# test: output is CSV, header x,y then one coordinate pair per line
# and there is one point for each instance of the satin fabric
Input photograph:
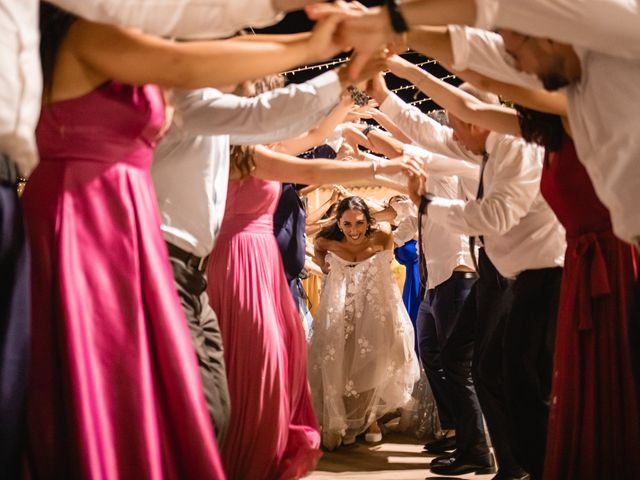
x,y
114,390
407,255
594,424
273,433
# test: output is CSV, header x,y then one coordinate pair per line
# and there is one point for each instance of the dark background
x,y
298,22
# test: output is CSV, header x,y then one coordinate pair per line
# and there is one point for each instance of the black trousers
x,y
207,342
437,316
15,312
473,362
529,345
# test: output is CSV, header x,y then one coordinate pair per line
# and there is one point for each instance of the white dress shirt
x,y
20,81
603,114
191,164
177,18
607,26
520,230
407,228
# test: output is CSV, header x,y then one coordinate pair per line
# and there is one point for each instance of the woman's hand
x,y
405,164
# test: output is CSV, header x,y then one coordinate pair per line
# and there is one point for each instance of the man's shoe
x,y
510,476
441,445
445,459
460,465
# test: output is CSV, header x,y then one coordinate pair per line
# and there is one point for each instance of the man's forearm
x,y
433,42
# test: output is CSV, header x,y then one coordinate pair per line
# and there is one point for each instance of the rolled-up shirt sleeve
x,y
189,19
606,26
512,183
484,52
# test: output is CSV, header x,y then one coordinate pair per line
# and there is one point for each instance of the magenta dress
x,y
273,433
114,389
594,418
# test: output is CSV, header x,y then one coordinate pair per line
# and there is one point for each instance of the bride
x,y
362,363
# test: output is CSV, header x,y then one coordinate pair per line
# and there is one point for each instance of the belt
x,y
189,259
465,274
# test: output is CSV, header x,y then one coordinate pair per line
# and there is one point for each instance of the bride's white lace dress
x,y
362,363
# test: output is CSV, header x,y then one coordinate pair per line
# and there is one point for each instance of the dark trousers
x,y
15,310
207,342
472,357
529,345
437,316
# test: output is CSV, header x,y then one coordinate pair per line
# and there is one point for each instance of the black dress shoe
x,y
460,465
445,459
441,445
512,476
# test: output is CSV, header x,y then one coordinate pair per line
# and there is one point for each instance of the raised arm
x,y
281,167
102,52
535,99
466,107
317,135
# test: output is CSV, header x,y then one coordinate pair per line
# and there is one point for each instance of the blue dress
x,y
407,255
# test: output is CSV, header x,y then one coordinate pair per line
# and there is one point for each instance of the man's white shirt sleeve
x,y
607,26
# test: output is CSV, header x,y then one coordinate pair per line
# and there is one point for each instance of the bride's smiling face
x,y
353,224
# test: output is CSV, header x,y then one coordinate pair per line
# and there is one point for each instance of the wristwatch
x,y
398,23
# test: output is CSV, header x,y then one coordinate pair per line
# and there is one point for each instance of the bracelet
x,y
398,23
367,129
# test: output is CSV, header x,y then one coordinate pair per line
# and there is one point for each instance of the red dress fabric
x,y
594,426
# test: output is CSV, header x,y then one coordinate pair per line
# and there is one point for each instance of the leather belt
x,y
189,259
465,274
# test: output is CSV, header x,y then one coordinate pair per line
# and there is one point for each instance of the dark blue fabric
x,y
407,255
15,310
289,227
436,318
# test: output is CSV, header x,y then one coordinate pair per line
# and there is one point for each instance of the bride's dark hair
x,y
333,232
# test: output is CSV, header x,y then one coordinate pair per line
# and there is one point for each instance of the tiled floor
x,y
398,457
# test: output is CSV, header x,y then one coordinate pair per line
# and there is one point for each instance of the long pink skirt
x,y
114,387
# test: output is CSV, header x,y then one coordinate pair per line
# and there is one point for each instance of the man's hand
x,y
365,30
322,44
415,185
399,66
377,88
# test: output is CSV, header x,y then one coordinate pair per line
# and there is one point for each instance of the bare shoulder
x,y
322,243
382,237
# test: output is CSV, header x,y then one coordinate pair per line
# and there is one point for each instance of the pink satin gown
x,y
273,432
114,388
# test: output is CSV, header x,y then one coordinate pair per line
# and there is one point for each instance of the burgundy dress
x,y
594,425
114,388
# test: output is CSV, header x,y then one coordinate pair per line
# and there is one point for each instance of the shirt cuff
x,y
486,13
392,106
459,47
439,209
328,86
